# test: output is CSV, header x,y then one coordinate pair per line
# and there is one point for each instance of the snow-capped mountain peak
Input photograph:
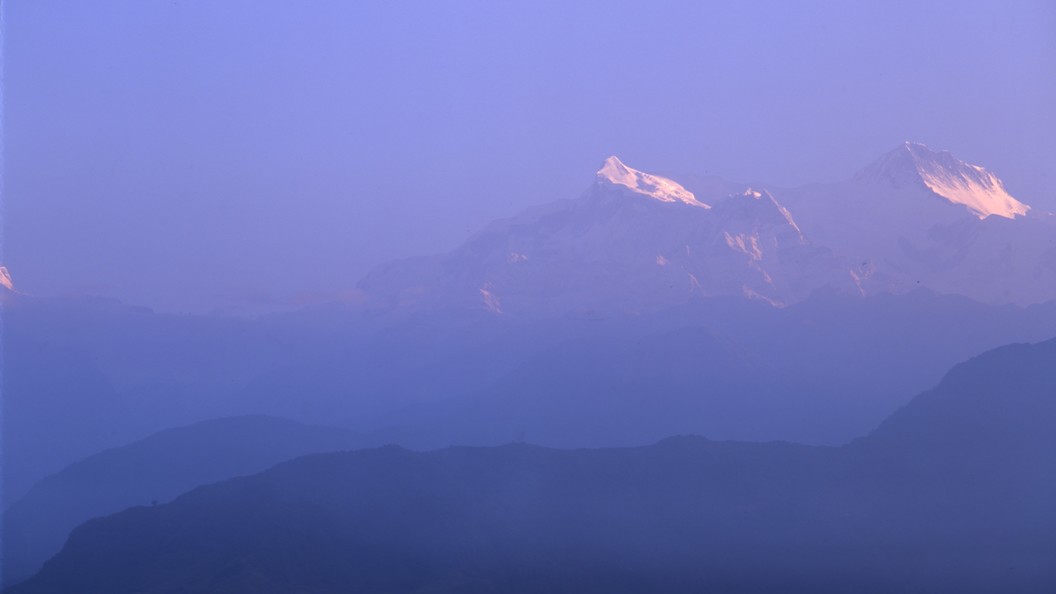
x,y
971,186
634,242
757,207
5,279
613,171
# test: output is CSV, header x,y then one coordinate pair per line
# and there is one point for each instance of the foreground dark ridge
x,y
155,469
954,492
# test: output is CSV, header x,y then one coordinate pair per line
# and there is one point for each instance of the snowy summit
x,y
613,171
5,279
971,186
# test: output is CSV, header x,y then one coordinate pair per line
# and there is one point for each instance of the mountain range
x,y
645,308
149,471
636,241
953,492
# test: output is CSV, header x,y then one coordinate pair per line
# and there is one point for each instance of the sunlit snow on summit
x,y
971,186
653,186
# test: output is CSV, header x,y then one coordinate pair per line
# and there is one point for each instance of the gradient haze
x,y
187,155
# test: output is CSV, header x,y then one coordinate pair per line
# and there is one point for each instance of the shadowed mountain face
x,y
953,492
150,471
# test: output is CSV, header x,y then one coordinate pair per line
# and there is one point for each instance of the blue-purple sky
x,y
183,154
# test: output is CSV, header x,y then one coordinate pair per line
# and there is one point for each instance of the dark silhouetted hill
x,y
150,471
952,493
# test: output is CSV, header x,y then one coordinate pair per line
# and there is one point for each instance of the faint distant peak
x,y
5,279
912,164
760,205
613,171
757,197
